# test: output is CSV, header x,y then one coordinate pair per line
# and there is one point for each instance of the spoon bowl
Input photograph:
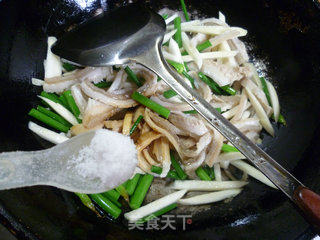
x,y
57,167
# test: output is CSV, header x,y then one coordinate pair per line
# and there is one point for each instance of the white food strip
x,y
210,197
198,185
154,206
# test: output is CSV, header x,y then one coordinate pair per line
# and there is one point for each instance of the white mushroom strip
x,y
116,84
190,23
47,134
258,93
210,197
201,145
52,64
215,41
233,111
79,98
65,113
37,82
170,56
214,148
230,156
188,124
253,136
171,18
198,185
152,207
198,38
223,74
217,172
175,51
253,172
191,49
212,30
173,138
209,55
274,100
96,112
264,120
168,35
120,101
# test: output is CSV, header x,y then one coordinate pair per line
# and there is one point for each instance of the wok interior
x,y
282,35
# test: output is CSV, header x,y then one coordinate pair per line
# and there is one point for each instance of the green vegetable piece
x,y
132,184
169,94
132,76
228,148
85,199
210,83
201,173
54,116
177,36
265,89
156,169
106,205
103,84
141,191
72,104
151,104
69,67
135,124
48,120
182,175
184,9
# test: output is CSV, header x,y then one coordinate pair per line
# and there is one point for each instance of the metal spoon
x,y
135,33
54,167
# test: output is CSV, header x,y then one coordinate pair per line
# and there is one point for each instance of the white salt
x,y
111,158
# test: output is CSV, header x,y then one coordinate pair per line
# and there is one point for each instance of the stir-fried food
x,y
174,143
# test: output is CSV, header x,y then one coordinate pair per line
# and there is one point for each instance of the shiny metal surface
x,y
144,47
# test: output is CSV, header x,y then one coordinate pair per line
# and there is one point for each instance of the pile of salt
x,y
110,157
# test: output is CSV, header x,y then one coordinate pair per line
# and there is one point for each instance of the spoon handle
x,y
20,169
309,202
267,165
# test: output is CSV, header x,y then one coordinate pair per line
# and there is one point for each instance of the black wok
x,y
284,34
